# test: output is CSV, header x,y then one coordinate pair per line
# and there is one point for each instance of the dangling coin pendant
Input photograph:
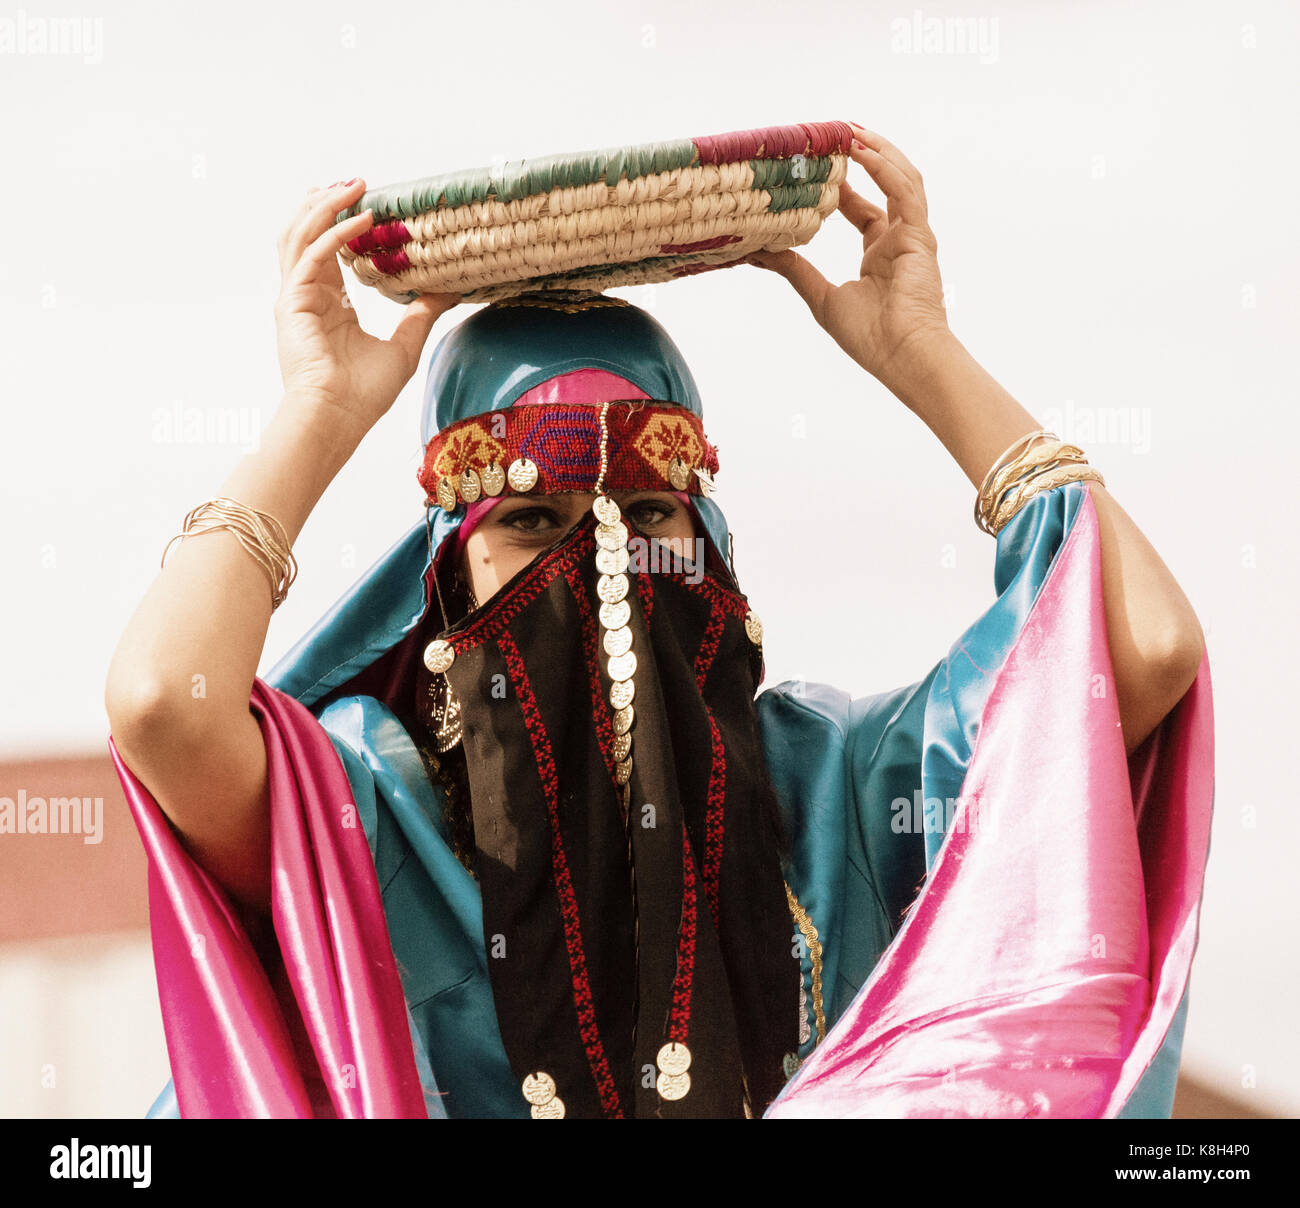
x,y
673,1083
612,561
522,474
439,655
621,693
611,536
617,641
446,495
539,1091
674,1058
615,616
611,589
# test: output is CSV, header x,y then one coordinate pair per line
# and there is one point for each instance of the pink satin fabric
x,y
577,386
1039,969
321,1028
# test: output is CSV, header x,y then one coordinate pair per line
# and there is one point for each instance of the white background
x,y
1113,188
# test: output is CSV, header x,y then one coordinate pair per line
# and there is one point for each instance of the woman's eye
x,y
530,520
649,514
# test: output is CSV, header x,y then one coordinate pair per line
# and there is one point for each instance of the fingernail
x,y
352,181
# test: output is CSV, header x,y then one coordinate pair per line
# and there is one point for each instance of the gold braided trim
x,y
810,937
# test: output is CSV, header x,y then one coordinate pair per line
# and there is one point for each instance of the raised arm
x,y
179,684
892,322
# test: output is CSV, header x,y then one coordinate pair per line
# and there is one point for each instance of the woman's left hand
x,y
898,296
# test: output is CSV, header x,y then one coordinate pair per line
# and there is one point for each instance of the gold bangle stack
x,y
1025,469
262,535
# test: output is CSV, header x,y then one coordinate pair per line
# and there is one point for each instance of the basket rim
x,y
514,179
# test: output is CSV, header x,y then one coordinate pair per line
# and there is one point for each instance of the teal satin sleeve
x,y
433,909
866,784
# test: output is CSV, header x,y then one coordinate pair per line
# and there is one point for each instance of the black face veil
x,y
628,846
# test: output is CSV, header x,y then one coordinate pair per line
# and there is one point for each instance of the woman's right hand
x,y
326,358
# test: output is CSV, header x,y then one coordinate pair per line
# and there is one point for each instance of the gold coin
x,y
623,719
622,666
493,479
674,1058
612,588
679,474
611,536
623,771
552,1109
673,1086
446,495
539,1088
470,488
439,655
754,628
607,511
615,616
612,561
622,747
617,641
621,694
707,485
522,474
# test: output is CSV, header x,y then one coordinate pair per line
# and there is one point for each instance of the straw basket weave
x,y
596,219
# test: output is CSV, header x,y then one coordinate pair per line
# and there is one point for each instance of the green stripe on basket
x,y
794,197
805,169
523,179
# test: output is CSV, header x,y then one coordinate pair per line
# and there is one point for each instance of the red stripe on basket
x,y
386,237
390,263
689,270
775,142
700,245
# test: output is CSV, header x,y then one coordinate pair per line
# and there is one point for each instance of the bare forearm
x,y
1154,636
206,614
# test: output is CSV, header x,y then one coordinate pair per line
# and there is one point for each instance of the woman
x,y
598,905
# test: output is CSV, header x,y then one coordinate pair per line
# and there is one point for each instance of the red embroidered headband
x,y
556,447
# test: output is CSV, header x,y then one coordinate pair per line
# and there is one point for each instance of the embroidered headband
x,y
650,445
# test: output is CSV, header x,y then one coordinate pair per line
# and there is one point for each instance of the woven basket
x,y
595,219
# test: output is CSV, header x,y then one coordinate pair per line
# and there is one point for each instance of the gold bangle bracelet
x,y
260,533
1033,461
1048,479
1003,462
1010,452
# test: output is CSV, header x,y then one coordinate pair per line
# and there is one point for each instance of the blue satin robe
x,y
837,765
